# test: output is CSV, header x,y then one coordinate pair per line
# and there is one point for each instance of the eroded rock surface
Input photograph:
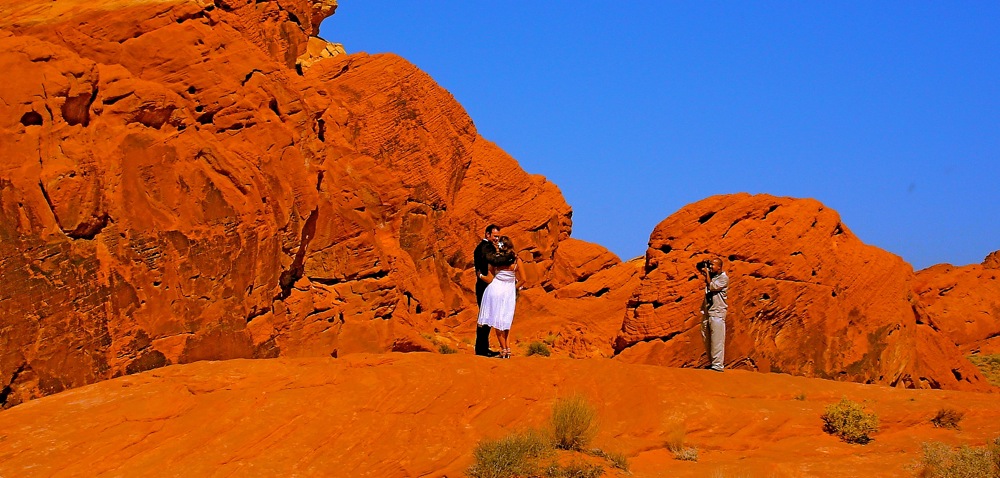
x,y
806,297
188,180
964,303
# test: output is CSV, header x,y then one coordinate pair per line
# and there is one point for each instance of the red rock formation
x,y
964,303
992,261
187,180
806,297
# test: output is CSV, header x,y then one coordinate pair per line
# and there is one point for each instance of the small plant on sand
x,y
616,459
538,348
943,461
574,469
512,456
687,454
989,365
801,397
849,421
573,423
675,443
947,418
446,349
550,339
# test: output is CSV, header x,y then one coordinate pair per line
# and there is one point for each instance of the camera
x,y
703,265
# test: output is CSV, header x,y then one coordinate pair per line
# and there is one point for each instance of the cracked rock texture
x,y
191,180
806,297
965,302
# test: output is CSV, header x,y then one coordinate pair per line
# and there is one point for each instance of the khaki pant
x,y
713,331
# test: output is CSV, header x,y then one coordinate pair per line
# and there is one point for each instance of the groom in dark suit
x,y
482,257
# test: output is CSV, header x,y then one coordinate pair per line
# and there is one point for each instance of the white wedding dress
x,y
497,310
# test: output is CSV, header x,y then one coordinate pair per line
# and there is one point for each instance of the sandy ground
x,y
420,414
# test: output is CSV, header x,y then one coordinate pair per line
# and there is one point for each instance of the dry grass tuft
x,y
573,423
575,469
512,456
616,459
943,461
947,418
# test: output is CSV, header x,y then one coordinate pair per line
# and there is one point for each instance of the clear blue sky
x,y
888,112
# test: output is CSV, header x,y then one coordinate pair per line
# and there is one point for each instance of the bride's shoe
x,y
506,353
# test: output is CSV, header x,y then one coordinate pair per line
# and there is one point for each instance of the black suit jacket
x,y
482,255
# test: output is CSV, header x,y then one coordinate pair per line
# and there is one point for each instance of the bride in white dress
x,y
497,309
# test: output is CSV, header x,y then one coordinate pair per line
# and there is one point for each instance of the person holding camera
x,y
713,311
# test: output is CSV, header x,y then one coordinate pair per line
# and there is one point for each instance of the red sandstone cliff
x,y
964,302
187,180
806,297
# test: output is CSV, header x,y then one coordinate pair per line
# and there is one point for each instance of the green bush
x,y
947,418
848,420
943,461
538,348
446,349
573,423
512,456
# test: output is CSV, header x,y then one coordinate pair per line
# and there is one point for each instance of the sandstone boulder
x,y
191,180
806,297
964,303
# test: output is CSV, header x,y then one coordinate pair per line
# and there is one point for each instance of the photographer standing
x,y
713,311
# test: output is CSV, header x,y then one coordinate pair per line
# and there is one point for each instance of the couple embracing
x,y
496,290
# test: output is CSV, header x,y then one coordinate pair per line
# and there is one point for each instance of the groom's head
x,y
492,233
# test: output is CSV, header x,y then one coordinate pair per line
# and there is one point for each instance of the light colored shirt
x,y
716,293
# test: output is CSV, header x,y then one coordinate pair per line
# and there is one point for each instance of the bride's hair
x,y
505,255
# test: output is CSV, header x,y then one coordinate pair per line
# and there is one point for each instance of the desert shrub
x,y
989,365
848,420
943,461
538,348
675,437
446,349
687,454
512,456
550,339
574,470
801,397
573,423
675,443
947,418
616,459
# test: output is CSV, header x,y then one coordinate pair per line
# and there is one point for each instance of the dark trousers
x,y
482,331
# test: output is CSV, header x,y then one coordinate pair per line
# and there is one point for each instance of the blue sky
x,y
888,112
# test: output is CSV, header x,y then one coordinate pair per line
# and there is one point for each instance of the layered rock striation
x,y
806,297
